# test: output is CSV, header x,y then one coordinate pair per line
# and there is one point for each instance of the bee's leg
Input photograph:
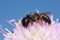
x,y
41,22
38,21
31,23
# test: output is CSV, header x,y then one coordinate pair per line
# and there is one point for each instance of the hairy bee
x,y
33,17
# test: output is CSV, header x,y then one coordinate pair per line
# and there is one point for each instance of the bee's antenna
x,y
37,10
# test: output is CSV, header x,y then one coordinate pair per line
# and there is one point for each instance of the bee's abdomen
x,y
46,19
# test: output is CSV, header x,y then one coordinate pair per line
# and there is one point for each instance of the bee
x,y
33,17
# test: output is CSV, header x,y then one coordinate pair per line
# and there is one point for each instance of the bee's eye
x,y
27,20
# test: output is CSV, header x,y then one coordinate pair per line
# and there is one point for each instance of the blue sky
x,y
15,9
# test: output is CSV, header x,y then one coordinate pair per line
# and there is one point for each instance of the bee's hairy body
x,y
32,17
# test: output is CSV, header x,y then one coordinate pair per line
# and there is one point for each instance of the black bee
x,y
32,17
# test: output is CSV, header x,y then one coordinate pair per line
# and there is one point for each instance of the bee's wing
x,y
48,13
37,11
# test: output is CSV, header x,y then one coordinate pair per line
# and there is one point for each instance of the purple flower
x,y
33,32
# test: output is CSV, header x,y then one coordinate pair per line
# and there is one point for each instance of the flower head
x,y
33,32
37,31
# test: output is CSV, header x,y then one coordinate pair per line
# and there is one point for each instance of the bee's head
x,y
25,21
